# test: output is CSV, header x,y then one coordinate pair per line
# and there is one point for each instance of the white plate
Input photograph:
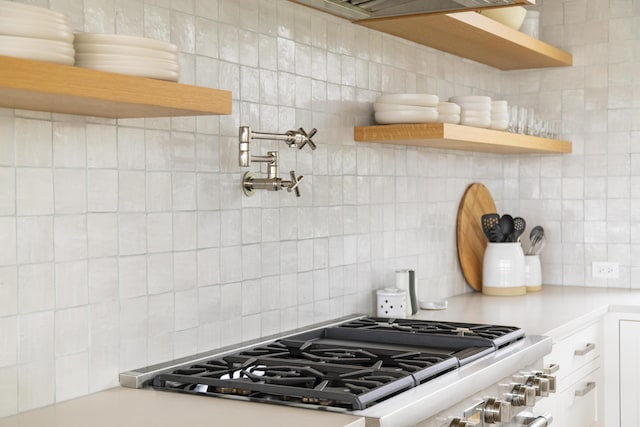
x,y
126,60
97,65
113,49
421,99
121,40
29,43
449,118
10,7
379,106
476,122
470,98
437,304
26,28
448,108
151,73
390,117
35,54
499,124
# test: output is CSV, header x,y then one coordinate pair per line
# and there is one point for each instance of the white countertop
x,y
549,312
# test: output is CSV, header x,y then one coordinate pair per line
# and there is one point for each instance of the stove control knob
x,y
461,422
550,378
495,411
539,384
522,395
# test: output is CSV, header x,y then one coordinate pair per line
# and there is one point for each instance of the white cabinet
x,y
629,373
577,360
622,343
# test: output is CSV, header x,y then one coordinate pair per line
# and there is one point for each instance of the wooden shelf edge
x,y
458,137
474,36
43,86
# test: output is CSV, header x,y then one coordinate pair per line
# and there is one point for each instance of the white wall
x,y
128,242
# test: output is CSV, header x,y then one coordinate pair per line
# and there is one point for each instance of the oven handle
x,y
543,420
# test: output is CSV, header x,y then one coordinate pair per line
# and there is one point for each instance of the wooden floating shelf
x,y
474,36
44,86
458,137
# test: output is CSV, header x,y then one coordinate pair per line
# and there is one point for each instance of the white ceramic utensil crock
x,y
532,273
503,270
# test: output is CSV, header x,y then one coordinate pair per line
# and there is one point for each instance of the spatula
x,y
491,227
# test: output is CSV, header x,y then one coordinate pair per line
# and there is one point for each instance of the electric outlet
x,y
605,270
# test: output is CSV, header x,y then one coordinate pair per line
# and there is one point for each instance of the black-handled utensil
x,y
491,226
519,225
506,227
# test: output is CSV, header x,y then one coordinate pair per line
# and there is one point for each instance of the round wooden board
x,y
475,202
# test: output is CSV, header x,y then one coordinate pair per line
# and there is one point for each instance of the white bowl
x,y
512,16
380,106
499,116
114,49
475,106
499,106
420,99
126,60
448,108
476,122
468,114
391,117
449,118
470,98
499,124
121,40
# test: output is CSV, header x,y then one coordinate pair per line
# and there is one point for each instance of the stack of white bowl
x,y
476,110
499,115
406,108
32,32
135,56
449,112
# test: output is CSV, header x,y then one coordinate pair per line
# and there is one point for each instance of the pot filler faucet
x,y
273,182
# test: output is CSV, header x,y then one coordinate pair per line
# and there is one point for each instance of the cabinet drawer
x,y
575,351
579,402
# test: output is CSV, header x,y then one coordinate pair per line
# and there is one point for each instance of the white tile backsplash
x,y
129,242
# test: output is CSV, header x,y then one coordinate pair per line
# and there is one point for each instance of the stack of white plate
x,y
449,112
135,56
32,32
499,115
406,108
476,110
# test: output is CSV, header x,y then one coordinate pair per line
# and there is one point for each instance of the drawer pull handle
x,y
587,348
552,369
584,391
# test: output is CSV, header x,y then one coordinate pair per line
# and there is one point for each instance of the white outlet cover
x,y
605,270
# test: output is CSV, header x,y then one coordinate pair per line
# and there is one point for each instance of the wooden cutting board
x,y
475,202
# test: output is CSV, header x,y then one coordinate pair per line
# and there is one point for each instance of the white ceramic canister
x,y
392,302
532,273
503,270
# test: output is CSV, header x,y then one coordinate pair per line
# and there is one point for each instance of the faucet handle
x,y
300,138
294,183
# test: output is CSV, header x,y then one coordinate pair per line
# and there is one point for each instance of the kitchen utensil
x,y
519,225
540,244
534,236
506,226
491,226
472,242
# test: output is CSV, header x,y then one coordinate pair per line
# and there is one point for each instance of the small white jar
x,y
503,270
532,273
